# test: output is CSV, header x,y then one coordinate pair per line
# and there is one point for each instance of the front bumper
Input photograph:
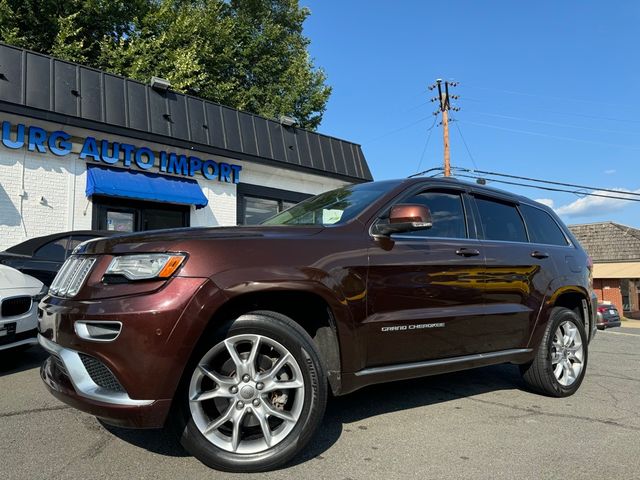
x,y
130,380
67,378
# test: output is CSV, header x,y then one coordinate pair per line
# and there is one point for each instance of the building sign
x,y
112,153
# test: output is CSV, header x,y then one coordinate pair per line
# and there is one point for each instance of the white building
x,y
85,150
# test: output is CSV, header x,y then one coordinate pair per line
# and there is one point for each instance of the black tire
x,y
291,336
539,373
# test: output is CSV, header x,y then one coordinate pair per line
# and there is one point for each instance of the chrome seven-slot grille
x,y
72,276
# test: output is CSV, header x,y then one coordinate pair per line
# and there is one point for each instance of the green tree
x,y
248,54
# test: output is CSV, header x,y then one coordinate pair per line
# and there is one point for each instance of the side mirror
x,y
406,218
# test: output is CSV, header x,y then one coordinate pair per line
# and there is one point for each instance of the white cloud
x,y
545,201
590,206
610,172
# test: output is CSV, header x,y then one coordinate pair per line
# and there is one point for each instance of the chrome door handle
x,y
467,252
537,254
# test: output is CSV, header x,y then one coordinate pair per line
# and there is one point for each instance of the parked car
x,y
607,316
19,297
235,335
42,257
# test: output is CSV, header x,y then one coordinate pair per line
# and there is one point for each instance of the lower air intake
x,y
100,374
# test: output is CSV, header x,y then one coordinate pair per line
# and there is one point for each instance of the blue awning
x,y
116,182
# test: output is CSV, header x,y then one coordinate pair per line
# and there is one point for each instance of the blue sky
x,y
548,89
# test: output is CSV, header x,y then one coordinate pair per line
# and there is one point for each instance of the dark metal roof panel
x,y
38,87
249,143
137,106
114,100
215,127
178,116
197,120
11,81
90,90
62,91
65,88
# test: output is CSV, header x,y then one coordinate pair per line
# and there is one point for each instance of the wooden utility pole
x,y
445,133
443,98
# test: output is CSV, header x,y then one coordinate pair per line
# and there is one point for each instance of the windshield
x,y
333,208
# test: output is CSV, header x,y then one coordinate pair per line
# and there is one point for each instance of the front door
x,y
424,289
123,215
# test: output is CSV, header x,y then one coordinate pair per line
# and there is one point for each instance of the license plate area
x,y
7,333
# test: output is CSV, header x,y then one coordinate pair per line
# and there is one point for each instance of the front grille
x,y
100,374
12,307
72,276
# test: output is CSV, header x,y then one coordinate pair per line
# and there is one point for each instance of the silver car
x,y
19,297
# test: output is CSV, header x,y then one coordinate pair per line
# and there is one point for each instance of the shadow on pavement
x,y
14,361
160,441
363,404
405,395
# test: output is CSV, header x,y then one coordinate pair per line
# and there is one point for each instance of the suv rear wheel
x,y
561,359
254,395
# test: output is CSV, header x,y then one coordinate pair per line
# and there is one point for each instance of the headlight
x,y
146,266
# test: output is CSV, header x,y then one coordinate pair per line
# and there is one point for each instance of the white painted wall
x,y
41,193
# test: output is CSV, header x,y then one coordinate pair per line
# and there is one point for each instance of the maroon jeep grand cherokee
x,y
236,335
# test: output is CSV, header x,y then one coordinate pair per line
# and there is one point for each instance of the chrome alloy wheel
x,y
567,354
246,394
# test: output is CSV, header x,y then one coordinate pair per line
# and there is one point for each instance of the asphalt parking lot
x,y
475,424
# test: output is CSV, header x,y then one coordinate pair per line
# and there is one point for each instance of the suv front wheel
x,y
561,360
254,396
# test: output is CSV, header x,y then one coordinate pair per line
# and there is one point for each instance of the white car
x,y
19,298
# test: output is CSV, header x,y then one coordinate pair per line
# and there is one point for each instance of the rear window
x,y
542,228
501,221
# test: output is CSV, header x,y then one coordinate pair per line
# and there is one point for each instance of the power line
x,y
391,132
475,174
557,137
552,189
550,182
426,143
554,124
465,145
547,97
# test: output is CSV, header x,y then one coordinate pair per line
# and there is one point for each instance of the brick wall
x,y
608,290
41,193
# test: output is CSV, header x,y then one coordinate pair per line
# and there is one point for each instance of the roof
x,y
608,242
43,87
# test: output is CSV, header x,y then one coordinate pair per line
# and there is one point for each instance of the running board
x,y
441,362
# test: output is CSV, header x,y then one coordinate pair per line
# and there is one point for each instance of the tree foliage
x,y
248,54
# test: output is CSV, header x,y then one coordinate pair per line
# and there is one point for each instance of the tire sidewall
x,y
274,326
558,316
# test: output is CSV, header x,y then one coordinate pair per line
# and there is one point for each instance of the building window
x,y
256,203
125,215
257,210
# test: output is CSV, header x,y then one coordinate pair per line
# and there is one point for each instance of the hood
x,y
159,240
14,280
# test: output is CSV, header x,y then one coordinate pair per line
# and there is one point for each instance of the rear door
x,y
518,272
424,288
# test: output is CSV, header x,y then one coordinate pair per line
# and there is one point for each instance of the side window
x,y
542,228
447,214
53,251
500,221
